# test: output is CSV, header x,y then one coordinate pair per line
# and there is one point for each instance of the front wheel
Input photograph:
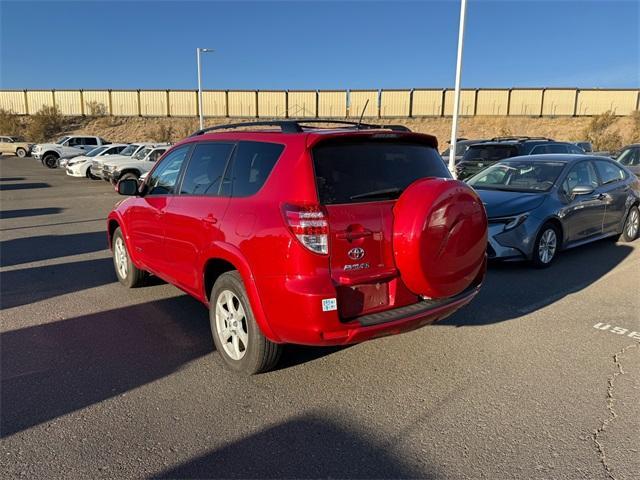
x,y
128,274
237,337
50,160
546,246
21,152
631,225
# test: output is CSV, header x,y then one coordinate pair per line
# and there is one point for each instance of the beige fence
x,y
546,102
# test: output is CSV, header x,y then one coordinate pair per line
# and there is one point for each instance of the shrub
x,y
164,133
10,123
45,124
96,109
598,133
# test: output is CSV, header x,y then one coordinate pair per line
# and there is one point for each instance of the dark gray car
x,y
540,204
629,156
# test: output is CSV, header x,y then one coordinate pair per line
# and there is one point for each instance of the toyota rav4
x,y
303,234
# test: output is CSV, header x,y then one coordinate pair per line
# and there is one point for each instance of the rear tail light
x,y
309,224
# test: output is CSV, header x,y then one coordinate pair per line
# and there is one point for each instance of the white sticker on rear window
x,y
329,304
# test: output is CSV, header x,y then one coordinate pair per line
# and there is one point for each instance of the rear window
x,y
489,153
370,170
252,165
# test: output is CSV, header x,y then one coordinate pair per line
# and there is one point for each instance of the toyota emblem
x,y
356,253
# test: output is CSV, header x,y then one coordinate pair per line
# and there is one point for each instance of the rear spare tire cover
x,y
439,236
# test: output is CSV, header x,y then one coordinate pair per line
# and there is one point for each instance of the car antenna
x,y
364,109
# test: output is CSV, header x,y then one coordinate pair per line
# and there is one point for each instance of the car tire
x,y
237,337
127,176
21,152
631,225
128,274
50,160
90,175
546,246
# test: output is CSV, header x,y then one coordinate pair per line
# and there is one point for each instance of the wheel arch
x,y
113,222
558,224
224,258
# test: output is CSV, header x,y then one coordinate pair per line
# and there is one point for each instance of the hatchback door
x,y
358,182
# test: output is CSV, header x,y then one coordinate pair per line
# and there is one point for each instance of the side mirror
x,y
581,190
128,186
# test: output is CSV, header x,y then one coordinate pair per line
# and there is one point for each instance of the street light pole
x,y
198,52
456,97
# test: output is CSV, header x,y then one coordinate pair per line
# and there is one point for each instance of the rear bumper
x,y
293,310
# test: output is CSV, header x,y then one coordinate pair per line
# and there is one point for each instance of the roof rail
x,y
519,138
297,126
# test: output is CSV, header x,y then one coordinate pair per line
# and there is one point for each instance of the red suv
x,y
304,234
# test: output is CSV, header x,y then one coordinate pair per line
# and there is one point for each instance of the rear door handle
x,y
348,235
210,220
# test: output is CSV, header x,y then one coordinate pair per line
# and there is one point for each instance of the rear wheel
x,y
90,175
631,225
128,274
127,176
50,160
546,246
21,152
237,337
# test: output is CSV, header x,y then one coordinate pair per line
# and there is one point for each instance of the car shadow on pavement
x,y
47,247
29,212
512,290
60,367
29,285
11,179
310,446
23,186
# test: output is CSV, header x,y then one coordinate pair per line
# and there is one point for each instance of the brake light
x,y
309,224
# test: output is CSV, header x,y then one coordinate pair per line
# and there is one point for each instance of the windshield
x,y
96,151
141,154
629,157
520,176
128,150
62,140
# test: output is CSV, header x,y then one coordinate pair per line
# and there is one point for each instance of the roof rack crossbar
x,y
519,138
297,126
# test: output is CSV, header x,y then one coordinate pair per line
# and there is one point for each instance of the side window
x,y
156,154
206,168
556,148
583,174
252,165
162,179
630,157
74,142
4,140
90,141
609,172
539,149
574,149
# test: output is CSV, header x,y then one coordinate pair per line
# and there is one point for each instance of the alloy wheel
x,y
231,325
122,262
633,223
547,246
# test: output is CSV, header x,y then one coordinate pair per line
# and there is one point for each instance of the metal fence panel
x,y
525,102
124,103
69,102
183,103
395,103
13,101
96,99
153,103
242,103
302,104
332,103
272,104
492,102
557,102
36,99
467,102
427,103
594,102
214,103
357,101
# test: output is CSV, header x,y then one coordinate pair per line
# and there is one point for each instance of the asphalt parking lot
x,y
539,377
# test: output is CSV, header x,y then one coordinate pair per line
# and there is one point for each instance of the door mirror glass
x,y
128,186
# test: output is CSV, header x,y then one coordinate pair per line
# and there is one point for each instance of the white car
x,y
134,168
66,147
79,166
140,150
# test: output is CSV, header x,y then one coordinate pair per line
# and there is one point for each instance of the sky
x,y
318,45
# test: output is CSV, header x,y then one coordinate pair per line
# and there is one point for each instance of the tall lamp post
x,y
198,52
456,97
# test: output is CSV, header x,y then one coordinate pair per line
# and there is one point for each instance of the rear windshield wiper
x,y
377,193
